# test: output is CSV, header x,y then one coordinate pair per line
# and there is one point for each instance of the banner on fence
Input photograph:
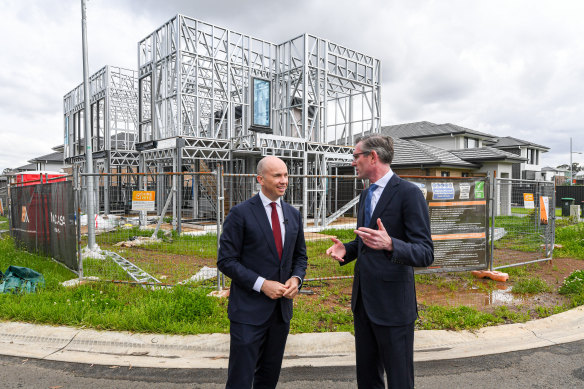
x,y
544,205
43,220
458,220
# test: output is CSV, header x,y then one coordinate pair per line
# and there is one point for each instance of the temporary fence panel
x,y
186,241
186,237
154,234
43,220
523,222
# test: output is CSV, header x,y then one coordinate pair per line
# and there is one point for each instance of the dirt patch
x,y
461,289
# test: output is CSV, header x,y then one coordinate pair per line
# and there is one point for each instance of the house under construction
x,y
209,98
114,121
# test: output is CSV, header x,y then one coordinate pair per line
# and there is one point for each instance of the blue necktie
x,y
368,210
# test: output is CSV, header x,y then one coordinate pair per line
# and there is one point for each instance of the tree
x,y
575,167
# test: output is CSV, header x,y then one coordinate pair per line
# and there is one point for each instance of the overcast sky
x,y
508,68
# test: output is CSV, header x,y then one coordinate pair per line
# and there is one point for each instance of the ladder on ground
x,y
133,271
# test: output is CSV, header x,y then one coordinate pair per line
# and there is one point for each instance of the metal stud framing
x,y
190,97
194,80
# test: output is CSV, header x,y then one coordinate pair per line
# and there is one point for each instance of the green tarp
x,y
20,279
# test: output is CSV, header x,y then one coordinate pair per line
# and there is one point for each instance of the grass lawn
x,y
526,211
188,309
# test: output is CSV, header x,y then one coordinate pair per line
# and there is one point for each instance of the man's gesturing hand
x,y
273,289
376,239
337,251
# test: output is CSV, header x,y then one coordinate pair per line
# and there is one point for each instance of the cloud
x,y
507,68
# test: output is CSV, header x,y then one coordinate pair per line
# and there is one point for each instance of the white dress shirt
x,y
381,183
268,208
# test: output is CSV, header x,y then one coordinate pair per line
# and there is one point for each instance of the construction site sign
x,y
143,200
458,222
528,201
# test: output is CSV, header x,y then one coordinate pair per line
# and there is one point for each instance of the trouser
x,y
379,348
256,353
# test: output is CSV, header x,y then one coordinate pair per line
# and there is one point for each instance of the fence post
x,y
493,184
76,191
220,199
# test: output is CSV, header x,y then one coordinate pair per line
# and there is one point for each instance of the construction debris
x,y
493,275
138,241
204,274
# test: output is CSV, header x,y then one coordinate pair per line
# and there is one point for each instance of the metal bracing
x,y
200,73
267,144
124,158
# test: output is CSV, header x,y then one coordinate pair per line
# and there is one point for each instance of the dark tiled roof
x,y
414,153
486,154
23,168
552,169
53,157
426,129
508,141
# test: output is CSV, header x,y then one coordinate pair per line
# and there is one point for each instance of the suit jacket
x,y
386,279
247,250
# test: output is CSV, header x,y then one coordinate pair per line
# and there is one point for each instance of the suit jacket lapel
x,y
263,222
388,192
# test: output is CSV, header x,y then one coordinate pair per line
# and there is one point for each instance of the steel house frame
x,y
114,121
194,103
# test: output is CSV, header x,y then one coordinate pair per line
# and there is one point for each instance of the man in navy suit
x,y
393,237
262,250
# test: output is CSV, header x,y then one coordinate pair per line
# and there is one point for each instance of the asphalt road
x,y
559,366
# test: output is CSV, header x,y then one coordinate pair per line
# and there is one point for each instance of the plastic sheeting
x,y
20,280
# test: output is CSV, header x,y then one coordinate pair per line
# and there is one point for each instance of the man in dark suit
x,y
393,237
262,250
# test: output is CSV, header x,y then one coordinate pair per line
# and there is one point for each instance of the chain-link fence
x,y
523,226
174,239
163,228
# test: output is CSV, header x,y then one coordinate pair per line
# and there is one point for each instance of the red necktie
x,y
276,230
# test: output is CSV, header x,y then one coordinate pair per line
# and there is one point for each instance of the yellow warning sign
x,y
528,201
143,200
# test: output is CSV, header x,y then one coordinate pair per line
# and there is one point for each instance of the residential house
x,y
52,162
530,168
557,175
463,143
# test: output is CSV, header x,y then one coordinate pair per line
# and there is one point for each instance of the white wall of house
x,y
444,142
50,166
503,195
548,175
533,156
473,143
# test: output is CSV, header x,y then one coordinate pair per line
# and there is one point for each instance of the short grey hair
x,y
383,146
